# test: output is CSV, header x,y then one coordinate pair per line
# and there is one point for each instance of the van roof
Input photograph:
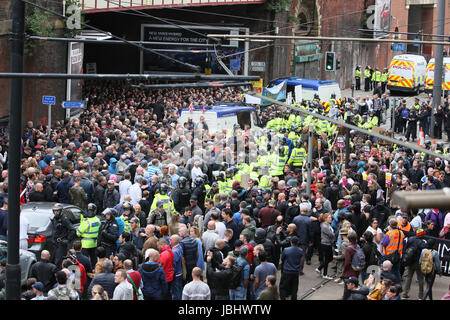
x,y
446,60
409,57
305,83
221,110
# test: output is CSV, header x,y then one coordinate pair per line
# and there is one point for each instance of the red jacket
x,y
166,258
250,252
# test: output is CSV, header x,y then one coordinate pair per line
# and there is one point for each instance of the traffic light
x,y
330,61
338,64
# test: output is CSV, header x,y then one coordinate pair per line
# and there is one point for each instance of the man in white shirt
x,y
196,172
196,289
124,289
135,191
124,186
220,226
210,236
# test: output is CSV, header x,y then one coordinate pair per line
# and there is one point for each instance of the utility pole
x,y
310,159
438,66
15,125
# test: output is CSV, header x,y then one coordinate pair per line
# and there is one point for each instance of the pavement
x,y
313,287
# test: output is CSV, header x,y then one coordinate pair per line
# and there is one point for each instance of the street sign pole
x,y
49,119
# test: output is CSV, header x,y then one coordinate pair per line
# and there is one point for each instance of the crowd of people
x,y
156,226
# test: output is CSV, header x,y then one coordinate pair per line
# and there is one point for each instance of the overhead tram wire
x,y
188,65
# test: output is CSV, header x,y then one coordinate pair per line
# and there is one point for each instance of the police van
x,y
429,77
223,116
325,89
407,73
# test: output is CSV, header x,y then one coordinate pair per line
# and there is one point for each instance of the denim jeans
x,y
177,287
240,293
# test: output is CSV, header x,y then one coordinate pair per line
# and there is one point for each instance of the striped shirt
x,y
196,290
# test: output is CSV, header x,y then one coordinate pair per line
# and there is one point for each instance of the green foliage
x,y
38,23
279,6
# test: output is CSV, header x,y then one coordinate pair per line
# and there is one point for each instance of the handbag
x,y
395,256
139,294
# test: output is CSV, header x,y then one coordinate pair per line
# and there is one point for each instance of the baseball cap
x,y
110,181
193,198
159,204
259,198
38,286
353,280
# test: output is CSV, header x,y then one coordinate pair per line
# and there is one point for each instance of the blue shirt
x,y
177,259
237,217
246,274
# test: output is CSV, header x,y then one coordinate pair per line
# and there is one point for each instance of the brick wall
x,y
48,57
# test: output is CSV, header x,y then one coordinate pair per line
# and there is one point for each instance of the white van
x,y
221,116
407,73
325,89
429,77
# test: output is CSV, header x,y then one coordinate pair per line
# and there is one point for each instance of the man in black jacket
x,y
220,278
413,248
269,247
99,193
109,232
63,233
44,271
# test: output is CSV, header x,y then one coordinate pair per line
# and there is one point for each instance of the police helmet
x,y
57,207
163,188
182,182
126,206
299,143
214,184
91,210
440,145
198,181
220,176
427,143
108,211
229,171
294,127
282,130
114,212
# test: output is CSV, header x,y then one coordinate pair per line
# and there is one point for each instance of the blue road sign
x,y
73,104
48,100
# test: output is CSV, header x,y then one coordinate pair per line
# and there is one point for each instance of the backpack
x,y
359,259
427,264
61,295
373,258
237,274
410,254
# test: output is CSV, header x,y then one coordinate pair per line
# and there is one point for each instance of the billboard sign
x,y
186,43
74,66
382,21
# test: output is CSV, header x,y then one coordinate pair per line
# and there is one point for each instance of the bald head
x,y
45,255
211,225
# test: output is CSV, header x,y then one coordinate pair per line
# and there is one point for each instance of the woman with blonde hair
x,y
98,293
173,224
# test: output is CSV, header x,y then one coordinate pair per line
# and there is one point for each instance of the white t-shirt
x,y
220,228
379,231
